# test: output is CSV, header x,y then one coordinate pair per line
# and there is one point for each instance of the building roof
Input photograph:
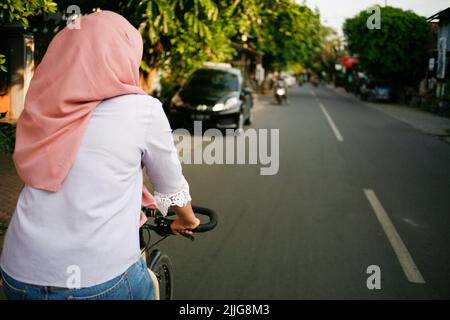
x,y
444,14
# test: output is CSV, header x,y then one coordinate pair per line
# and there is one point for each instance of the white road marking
x,y
404,257
329,119
331,123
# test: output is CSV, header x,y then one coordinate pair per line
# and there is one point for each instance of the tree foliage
x,y
290,33
395,52
181,35
178,35
331,52
20,10
2,63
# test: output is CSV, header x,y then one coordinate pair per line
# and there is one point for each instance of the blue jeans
x,y
133,284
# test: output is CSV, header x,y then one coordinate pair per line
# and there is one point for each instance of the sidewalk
x,y
10,187
426,122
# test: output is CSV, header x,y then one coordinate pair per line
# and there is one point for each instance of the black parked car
x,y
220,97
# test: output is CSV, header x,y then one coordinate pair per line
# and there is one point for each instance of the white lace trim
x,y
180,198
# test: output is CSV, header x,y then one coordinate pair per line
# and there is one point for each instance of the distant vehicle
x,y
280,91
381,93
218,95
287,78
290,80
314,80
374,90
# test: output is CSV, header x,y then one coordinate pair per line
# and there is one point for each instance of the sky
x,y
334,12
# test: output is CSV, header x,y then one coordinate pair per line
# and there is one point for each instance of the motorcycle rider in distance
x,y
279,83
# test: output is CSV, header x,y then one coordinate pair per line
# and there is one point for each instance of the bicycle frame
x,y
151,261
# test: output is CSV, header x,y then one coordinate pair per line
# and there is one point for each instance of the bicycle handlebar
x,y
162,224
211,224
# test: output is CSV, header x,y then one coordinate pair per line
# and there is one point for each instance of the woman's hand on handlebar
x,y
186,220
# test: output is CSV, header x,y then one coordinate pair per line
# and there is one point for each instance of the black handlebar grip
x,y
211,224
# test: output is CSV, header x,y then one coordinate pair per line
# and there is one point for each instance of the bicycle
x,y
159,265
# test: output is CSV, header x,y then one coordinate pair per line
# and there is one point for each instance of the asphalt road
x,y
310,231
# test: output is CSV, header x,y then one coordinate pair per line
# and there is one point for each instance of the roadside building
x,y
437,81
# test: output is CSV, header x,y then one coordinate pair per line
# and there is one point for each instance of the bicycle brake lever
x,y
188,236
163,228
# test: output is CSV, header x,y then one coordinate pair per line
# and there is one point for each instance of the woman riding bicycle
x,y
85,134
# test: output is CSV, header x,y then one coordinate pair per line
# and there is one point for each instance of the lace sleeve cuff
x,y
180,198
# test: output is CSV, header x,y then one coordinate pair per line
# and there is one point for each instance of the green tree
x,y
178,36
21,10
290,34
331,53
394,53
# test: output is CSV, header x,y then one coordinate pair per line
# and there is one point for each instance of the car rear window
x,y
215,79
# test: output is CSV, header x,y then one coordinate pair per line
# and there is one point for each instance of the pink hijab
x,y
81,68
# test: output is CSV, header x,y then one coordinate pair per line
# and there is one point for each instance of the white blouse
x,y
91,224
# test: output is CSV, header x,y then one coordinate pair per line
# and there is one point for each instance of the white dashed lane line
x,y
330,120
404,257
